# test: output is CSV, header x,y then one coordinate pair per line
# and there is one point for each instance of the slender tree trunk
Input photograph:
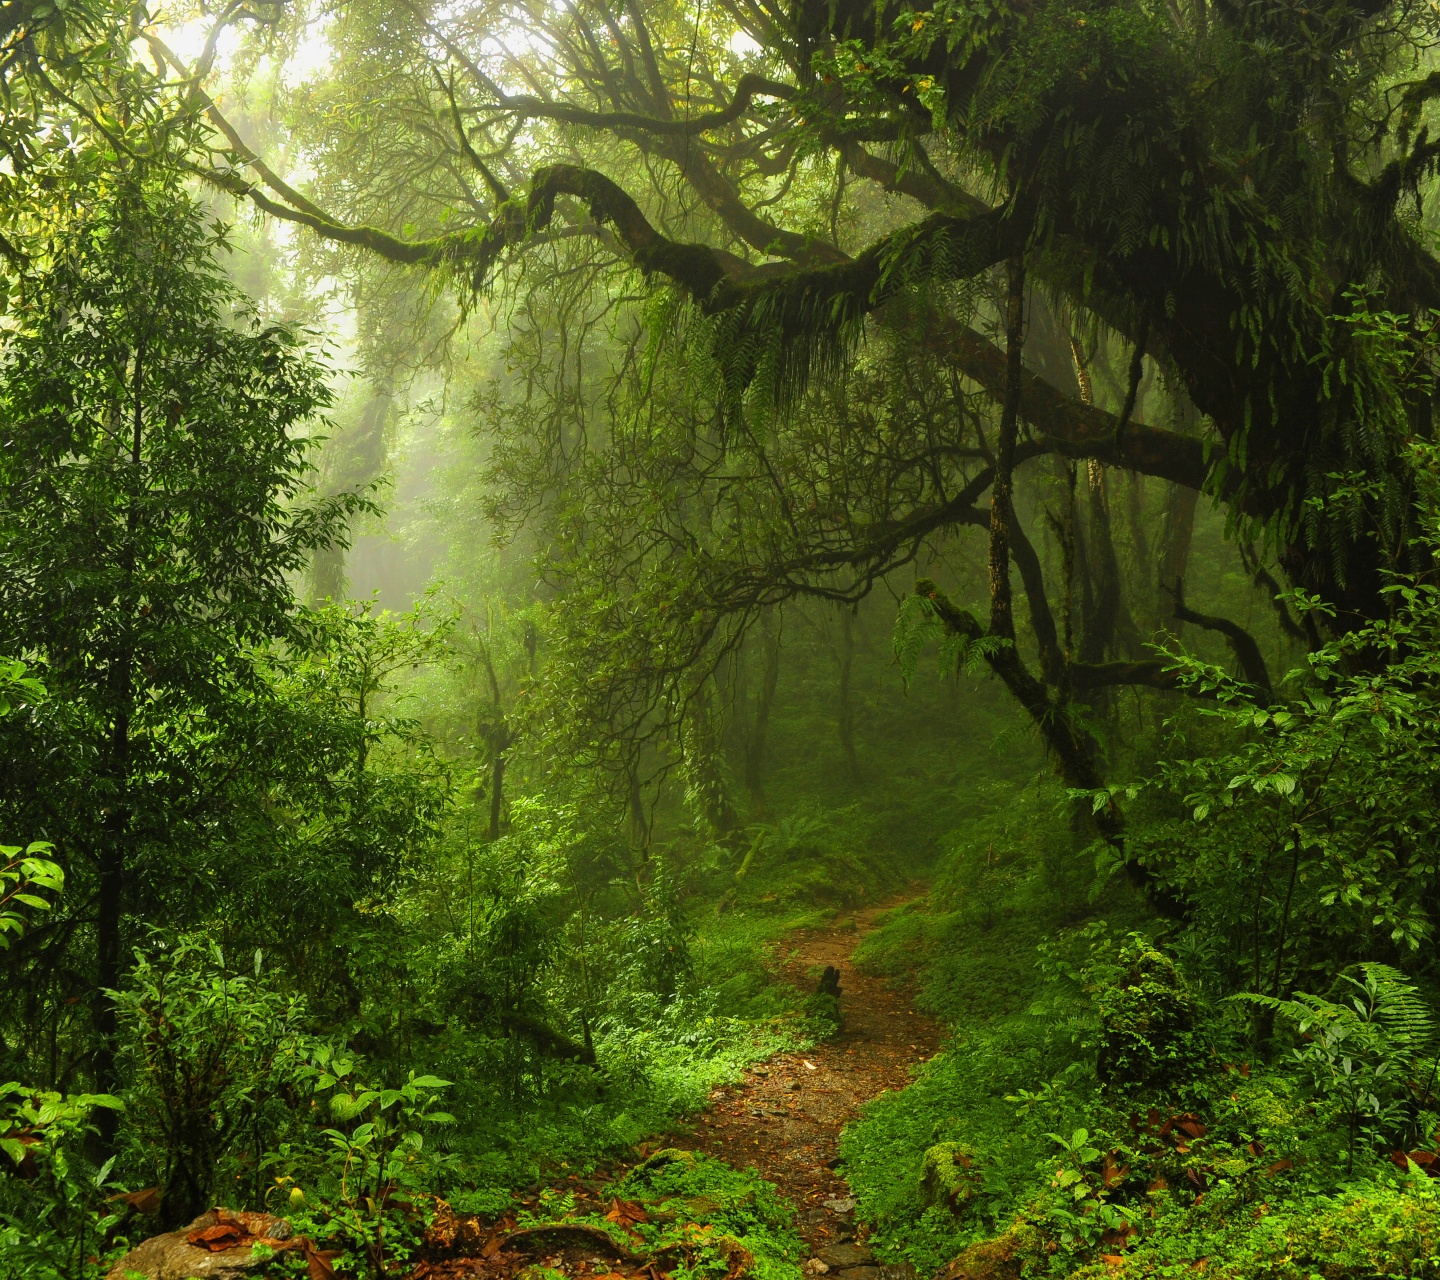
x,y
635,805
352,459
1177,529
1098,635
845,712
1002,613
704,776
113,851
497,785
756,738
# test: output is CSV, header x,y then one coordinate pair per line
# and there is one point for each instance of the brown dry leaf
x,y
218,1238
318,1263
1112,1259
1111,1173
626,1213
492,1246
146,1201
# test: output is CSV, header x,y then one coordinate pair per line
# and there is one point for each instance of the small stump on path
x,y
823,1007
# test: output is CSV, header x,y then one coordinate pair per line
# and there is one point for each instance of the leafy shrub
x,y
1362,1054
54,1202
24,872
705,1202
1388,1228
359,1181
212,1057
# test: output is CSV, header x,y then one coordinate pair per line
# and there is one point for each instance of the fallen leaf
x,y
626,1213
146,1201
218,1238
1111,1173
809,1066
318,1263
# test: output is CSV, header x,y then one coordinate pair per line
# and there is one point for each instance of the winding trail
x,y
785,1117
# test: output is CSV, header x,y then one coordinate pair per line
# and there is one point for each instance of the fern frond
x,y
1398,1007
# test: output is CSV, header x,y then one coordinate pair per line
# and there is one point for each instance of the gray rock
x,y
171,1256
841,1256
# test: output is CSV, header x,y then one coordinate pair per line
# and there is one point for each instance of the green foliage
x,y
1302,839
1388,1228
729,1216
948,1176
1362,1054
1147,1041
211,1057
54,1202
24,872
152,515
374,1164
16,687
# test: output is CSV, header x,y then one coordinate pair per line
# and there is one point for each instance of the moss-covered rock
x,y
1147,1041
948,1176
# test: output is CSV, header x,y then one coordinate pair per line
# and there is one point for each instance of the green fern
x,y
917,623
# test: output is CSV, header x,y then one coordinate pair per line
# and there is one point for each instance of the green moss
x,y
1147,1042
728,1217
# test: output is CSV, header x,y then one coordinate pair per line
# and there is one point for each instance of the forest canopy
x,y
563,566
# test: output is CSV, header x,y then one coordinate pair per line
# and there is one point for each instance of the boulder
x,y
218,1245
840,1256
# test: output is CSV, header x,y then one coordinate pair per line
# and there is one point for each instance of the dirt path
x,y
785,1117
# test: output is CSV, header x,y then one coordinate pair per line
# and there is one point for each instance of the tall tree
x,y
151,521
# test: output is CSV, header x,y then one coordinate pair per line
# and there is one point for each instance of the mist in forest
x,y
750,641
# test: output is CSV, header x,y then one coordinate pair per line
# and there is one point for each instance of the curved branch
x,y
747,89
1071,427
1074,750
1242,643
232,136
1152,673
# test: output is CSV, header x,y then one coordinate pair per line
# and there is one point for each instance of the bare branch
x,y
1242,643
747,89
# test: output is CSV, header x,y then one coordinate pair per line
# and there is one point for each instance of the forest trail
x,y
785,1117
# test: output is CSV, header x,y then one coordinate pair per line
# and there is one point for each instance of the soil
x,y
785,1117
